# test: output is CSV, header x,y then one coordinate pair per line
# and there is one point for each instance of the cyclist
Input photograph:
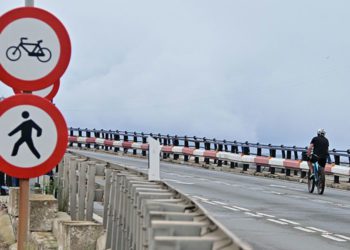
x,y
318,150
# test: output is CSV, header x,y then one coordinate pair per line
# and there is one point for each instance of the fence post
x,y
73,189
116,138
186,146
97,135
176,143
245,151
288,156
82,190
144,141
234,150
258,153
90,190
165,143
126,138
272,154
88,135
206,147
111,221
220,148
71,133
226,150
196,145
80,134
106,197
134,151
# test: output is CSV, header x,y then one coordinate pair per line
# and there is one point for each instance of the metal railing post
x,y
186,146
206,147
196,145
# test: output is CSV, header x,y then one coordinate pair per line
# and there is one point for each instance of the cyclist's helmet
x,y
321,131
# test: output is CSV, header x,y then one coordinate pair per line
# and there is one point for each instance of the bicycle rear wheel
x,y
321,180
310,183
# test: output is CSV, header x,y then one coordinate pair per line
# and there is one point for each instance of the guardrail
x,y
218,152
137,213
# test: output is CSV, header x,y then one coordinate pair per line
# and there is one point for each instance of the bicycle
x,y
14,53
318,180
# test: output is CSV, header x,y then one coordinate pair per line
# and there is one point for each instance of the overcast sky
x,y
267,71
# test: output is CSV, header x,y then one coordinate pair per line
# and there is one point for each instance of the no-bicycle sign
x,y
33,135
35,49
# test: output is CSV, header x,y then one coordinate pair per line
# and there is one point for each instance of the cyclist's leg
x,y
322,162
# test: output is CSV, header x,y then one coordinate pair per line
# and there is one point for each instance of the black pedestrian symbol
x,y
13,53
26,128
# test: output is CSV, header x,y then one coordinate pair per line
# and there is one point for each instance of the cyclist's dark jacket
x,y
321,145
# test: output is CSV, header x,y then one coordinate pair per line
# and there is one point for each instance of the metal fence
x,y
338,157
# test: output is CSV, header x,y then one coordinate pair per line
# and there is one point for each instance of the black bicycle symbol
x,y
13,53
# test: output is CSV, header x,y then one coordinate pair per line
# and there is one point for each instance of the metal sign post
x,y
23,198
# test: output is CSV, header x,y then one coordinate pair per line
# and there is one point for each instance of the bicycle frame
x,y
22,44
316,166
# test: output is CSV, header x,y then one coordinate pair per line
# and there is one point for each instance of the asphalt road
x,y
266,213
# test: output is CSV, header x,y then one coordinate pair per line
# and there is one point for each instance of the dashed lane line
x,y
267,215
290,222
201,198
342,236
220,203
252,214
231,208
305,229
241,208
211,203
281,221
317,229
278,221
333,237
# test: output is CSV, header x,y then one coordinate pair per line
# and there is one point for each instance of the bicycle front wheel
x,y
13,53
321,180
310,183
45,56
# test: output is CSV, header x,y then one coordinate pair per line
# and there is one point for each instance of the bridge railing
x,y
338,157
220,152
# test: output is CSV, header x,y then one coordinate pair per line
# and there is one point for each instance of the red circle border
x,y
49,96
62,136
65,48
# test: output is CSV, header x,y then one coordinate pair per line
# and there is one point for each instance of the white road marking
x,y
267,215
241,208
202,179
305,229
317,229
187,176
273,185
272,192
342,236
290,222
231,208
254,215
179,182
220,203
277,221
211,203
201,198
333,238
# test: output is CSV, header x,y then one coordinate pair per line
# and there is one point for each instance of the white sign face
x,y
29,49
35,49
28,136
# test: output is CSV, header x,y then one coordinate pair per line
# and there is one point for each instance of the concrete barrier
x,y
141,214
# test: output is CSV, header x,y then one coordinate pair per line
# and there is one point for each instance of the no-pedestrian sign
x,y
33,136
35,48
